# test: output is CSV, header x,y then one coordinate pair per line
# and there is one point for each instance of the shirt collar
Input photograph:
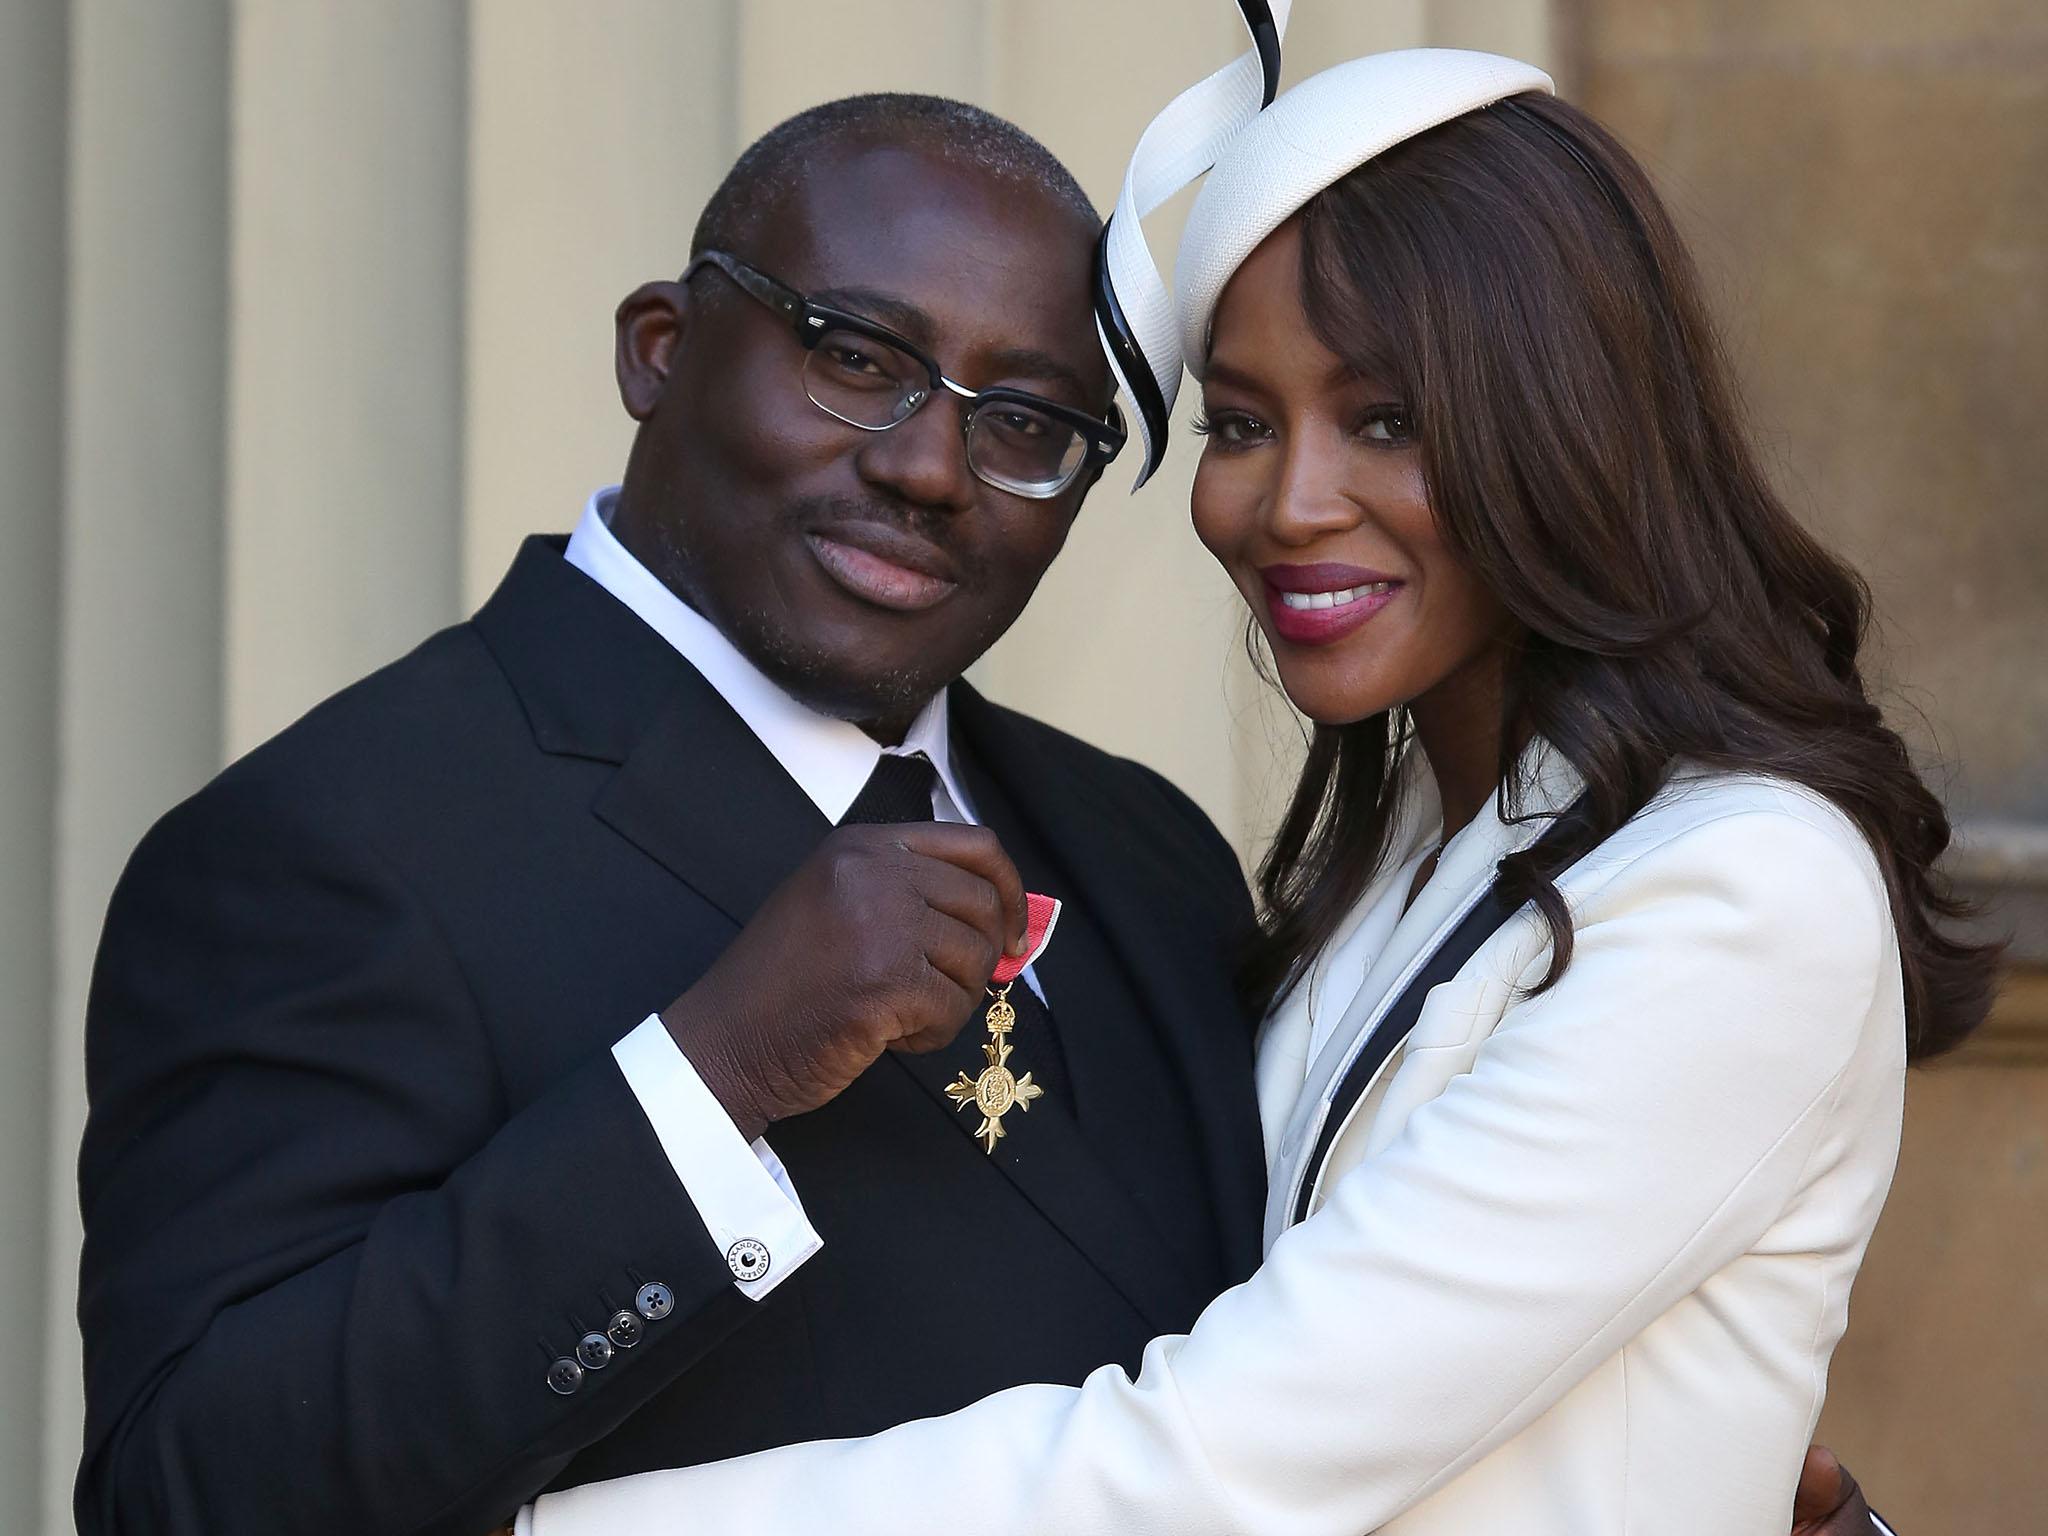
x,y
829,759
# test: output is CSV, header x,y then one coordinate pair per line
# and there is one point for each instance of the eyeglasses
x,y
869,377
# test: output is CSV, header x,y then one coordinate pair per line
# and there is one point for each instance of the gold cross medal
x,y
998,1090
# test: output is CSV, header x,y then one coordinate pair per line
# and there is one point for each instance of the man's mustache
x,y
941,530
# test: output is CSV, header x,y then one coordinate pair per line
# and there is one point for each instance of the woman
x,y
1573,1260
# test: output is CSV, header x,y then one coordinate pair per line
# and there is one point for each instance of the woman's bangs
x,y
1363,290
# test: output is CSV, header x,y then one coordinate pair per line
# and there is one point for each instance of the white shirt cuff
x,y
742,1192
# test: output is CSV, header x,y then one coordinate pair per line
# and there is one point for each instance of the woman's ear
x,y
649,325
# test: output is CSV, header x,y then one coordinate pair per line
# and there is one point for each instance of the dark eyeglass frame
x,y
810,322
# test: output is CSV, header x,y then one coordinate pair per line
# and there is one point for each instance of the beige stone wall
x,y
1867,188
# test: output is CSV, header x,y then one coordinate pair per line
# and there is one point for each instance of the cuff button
x,y
747,1259
594,1351
565,1376
624,1330
655,1301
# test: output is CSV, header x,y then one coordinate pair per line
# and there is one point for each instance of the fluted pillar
x,y
345,401
139,718
33,97
792,54
596,132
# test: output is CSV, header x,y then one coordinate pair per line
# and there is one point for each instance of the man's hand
x,y
881,940
1828,1502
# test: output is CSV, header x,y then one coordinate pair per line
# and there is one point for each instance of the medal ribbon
x,y
1041,913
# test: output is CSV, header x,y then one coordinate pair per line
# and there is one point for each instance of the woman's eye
x,y
1387,424
1234,429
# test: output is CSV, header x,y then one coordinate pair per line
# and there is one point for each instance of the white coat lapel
x,y
1464,872
1291,1034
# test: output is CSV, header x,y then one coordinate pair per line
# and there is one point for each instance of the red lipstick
x,y
1321,604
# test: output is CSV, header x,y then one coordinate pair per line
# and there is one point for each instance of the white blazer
x,y
1575,1265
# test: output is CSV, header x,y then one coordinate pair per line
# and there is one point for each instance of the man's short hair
x,y
774,166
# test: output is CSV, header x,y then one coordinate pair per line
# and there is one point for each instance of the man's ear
x,y
649,325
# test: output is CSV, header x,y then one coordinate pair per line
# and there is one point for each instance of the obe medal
x,y
998,1090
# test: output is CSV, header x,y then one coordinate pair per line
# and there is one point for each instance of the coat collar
x,y
1294,1087
695,789
587,673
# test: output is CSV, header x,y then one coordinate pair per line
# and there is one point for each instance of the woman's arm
x,y
1618,1140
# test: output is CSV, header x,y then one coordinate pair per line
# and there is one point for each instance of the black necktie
x,y
899,791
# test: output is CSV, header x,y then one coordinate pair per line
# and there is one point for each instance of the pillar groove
x,y
33,124
596,133
345,362
140,630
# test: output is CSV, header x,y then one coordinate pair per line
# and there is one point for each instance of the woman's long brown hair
x,y
1516,277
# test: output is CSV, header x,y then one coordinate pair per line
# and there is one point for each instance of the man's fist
x,y
882,940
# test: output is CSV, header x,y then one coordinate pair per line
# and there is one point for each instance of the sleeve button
x,y
565,1376
747,1259
624,1329
655,1301
594,1351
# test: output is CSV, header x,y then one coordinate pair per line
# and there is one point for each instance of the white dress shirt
x,y
743,1193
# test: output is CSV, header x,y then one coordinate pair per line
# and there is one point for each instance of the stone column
x,y
792,54
140,595
33,101
346,360
596,133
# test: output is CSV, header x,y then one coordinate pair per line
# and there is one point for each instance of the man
x,y
424,1058
427,1043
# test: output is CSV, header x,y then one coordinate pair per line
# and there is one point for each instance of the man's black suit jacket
x,y
360,1164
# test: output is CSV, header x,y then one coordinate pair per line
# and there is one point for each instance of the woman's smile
x,y
1320,604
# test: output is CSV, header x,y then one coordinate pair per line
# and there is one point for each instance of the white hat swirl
x,y
1266,164
1133,312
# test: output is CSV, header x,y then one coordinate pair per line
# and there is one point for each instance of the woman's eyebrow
x,y
1376,380
1224,373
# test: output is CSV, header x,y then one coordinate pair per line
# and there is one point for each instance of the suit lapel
x,y
703,797
695,789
